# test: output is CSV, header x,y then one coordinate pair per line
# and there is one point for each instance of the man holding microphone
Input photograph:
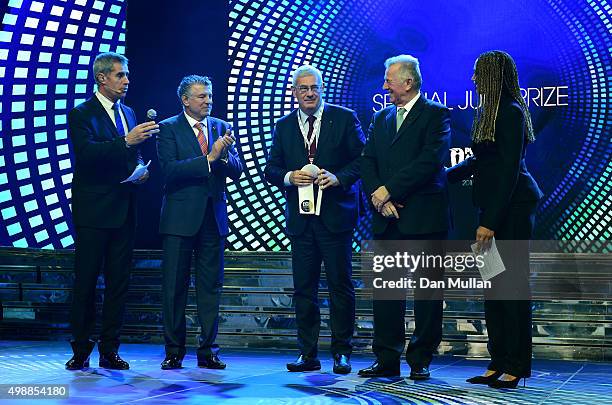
x,y
104,138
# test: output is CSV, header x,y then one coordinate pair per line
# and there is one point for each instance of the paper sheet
x,y
493,264
138,172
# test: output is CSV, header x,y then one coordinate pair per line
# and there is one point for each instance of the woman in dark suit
x,y
506,196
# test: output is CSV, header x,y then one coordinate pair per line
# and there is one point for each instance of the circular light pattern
x,y
580,206
268,39
46,52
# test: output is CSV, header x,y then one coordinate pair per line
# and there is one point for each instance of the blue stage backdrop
x,y
562,49
46,52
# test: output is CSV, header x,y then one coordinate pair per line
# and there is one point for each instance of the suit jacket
x,y
500,174
188,184
340,144
409,164
102,161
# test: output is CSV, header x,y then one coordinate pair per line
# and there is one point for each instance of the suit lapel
x,y
129,118
214,131
296,136
100,111
414,113
390,121
191,140
325,132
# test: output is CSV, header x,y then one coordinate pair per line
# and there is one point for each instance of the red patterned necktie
x,y
202,138
312,150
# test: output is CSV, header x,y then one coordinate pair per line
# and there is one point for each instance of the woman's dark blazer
x,y
501,179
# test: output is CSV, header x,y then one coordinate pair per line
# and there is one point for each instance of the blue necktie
x,y
118,122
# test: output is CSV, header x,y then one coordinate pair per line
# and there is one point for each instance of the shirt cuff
x,y
287,182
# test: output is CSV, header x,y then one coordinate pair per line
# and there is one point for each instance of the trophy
x,y
306,195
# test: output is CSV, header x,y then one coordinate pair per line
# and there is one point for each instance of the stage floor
x,y
259,377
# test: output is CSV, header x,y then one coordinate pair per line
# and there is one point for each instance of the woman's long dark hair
x,y
496,73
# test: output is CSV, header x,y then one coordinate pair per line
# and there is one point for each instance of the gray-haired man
x,y
403,172
196,154
329,137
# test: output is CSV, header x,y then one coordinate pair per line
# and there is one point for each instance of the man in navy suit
x,y
104,137
196,154
402,170
331,138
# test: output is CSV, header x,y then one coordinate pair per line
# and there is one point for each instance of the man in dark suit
x,y
104,136
402,169
196,155
331,138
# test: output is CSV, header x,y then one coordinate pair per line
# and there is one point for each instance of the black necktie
x,y
312,150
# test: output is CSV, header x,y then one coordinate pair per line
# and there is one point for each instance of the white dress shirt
x,y
192,121
408,106
303,125
108,106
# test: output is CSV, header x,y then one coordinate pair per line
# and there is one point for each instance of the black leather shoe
x,y
172,362
481,379
78,362
506,383
212,362
304,363
342,364
376,370
419,373
111,360
80,359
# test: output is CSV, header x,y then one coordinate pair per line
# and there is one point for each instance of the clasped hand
x,y
220,146
390,210
380,197
324,179
380,201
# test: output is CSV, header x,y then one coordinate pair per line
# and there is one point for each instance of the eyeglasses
x,y
315,88
389,81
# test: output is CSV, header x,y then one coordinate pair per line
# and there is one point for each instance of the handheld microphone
x,y
152,114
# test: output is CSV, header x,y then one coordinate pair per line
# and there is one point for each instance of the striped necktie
x,y
202,139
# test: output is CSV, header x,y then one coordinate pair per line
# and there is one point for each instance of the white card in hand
x,y
138,172
493,264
